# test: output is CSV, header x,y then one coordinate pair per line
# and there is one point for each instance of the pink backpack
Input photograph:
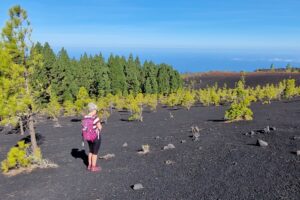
x,y
88,131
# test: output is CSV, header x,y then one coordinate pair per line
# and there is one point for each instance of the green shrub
x,y
103,106
188,99
82,100
270,93
16,157
151,101
173,100
290,88
119,102
239,109
53,108
69,108
203,96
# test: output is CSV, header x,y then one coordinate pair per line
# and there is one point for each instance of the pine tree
x,y
272,67
117,76
150,71
290,88
16,37
239,109
188,99
163,79
69,108
131,74
62,77
53,108
42,74
101,82
288,68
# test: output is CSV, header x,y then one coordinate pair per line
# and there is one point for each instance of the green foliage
x,y
270,93
82,100
103,106
288,68
188,99
173,100
210,95
119,102
117,76
290,88
239,109
151,101
16,157
53,108
15,43
135,106
272,68
69,108
62,81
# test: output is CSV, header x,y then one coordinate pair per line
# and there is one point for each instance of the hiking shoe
x,y
96,169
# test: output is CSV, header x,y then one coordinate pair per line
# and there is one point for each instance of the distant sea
x,y
189,60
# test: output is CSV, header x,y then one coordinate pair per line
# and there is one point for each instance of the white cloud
x,y
282,60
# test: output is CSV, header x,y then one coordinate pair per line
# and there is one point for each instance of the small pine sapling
x,y
151,101
290,89
69,108
16,157
53,108
82,99
188,99
239,109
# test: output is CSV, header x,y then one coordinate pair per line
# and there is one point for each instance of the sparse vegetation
x,y
239,109
16,157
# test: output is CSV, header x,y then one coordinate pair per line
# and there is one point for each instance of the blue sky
x,y
165,25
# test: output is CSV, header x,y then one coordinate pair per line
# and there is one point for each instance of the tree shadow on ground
x,y
80,154
39,139
76,120
216,120
293,152
253,144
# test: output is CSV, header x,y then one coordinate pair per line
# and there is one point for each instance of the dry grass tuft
x,y
43,164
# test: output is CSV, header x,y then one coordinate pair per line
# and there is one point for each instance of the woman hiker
x,y
91,128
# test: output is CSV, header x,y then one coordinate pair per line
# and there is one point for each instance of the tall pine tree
x,y
16,42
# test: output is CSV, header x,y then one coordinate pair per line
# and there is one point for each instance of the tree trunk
x,y
34,146
21,125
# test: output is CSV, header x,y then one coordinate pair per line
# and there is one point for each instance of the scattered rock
x,y
195,129
196,136
157,137
107,156
262,143
169,162
57,125
273,128
252,133
137,186
125,144
297,137
267,129
298,152
169,146
183,141
145,149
